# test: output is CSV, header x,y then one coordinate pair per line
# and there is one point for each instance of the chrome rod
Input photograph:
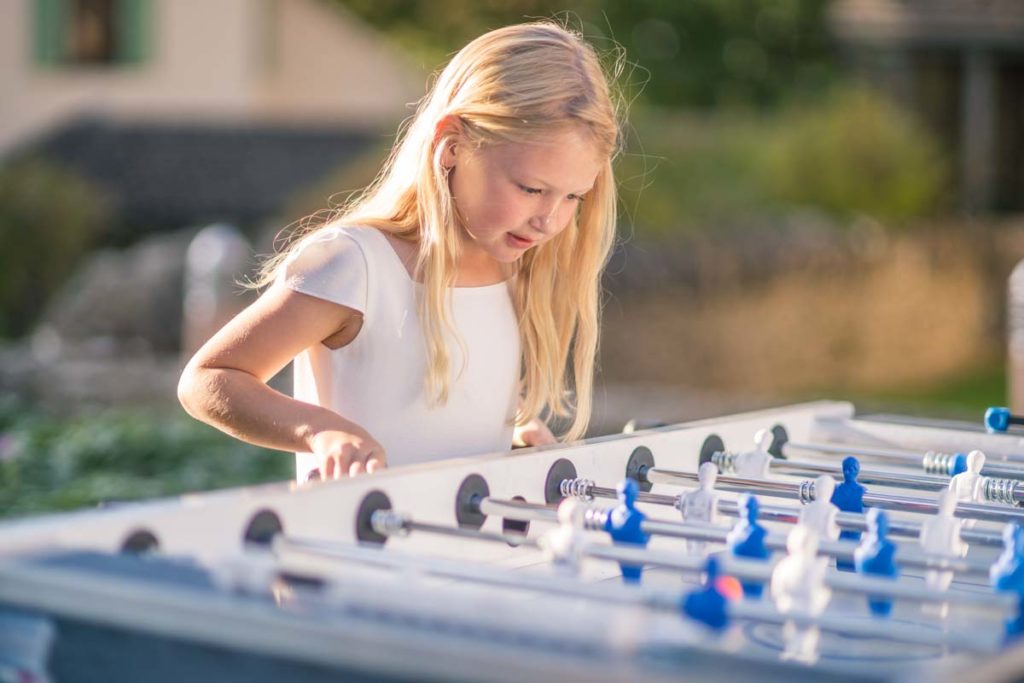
x,y
850,521
921,482
320,558
836,580
797,491
596,519
389,522
516,509
929,461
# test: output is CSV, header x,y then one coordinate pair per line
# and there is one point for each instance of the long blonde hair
x,y
515,84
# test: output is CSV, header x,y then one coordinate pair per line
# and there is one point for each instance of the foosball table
x,y
798,543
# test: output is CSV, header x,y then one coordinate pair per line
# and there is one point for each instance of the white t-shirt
x,y
378,380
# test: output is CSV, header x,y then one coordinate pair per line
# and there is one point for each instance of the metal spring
x,y
806,491
577,488
594,519
1000,490
934,462
388,523
725,460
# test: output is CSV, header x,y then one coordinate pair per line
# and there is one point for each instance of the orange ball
x,y
730,587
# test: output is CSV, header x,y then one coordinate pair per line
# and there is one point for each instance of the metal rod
x,y
850,521
389,522
780,489
596,518
321,557
922,434
839,581
301,555
920,482
495,507
975,641
929,461
994,489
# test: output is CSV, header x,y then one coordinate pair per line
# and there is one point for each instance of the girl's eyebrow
x,y
538,181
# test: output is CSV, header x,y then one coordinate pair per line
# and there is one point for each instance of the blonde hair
x,y
516,84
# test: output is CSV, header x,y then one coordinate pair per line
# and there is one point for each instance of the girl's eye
x,y
534,190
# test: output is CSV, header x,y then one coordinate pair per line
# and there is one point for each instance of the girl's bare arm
x,y
224,384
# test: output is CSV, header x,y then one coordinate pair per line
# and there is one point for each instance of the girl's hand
x,y
346,453
533,433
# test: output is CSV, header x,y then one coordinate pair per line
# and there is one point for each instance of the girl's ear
x,y
448,129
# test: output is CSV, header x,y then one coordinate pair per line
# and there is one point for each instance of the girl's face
x,y
517,196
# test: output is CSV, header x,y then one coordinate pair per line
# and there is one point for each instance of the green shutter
x,y
133,30
50,30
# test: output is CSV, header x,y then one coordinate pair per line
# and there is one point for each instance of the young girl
x,y
456,301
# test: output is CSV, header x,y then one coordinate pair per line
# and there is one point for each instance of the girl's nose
x,y
542,221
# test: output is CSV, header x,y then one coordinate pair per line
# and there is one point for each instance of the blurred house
x,y
960,65
188,111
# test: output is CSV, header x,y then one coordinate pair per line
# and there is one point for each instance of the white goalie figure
x,y
820,514
798,589
755,464
701,505
563,546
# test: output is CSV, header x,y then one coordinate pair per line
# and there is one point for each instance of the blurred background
x,y
820,199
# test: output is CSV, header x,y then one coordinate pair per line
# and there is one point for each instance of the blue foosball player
x,y
1007,575
746,540
708,603
876,556
849,497
624,525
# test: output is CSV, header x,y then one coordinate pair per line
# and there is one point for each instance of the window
x,y
91,36
90,32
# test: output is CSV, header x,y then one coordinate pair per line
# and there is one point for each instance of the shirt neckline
x,y
397,260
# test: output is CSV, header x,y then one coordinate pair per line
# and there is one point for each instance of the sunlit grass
x,y
963,398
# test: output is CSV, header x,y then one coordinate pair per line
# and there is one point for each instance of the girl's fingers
x,y
376,461
352,462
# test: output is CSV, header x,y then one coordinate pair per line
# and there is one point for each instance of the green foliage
x,y
688,173
48,463
699,53
48,220
714,53
858,153
852,153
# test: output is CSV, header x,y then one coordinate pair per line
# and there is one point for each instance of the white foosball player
x,y
940,535
967,486
701,505
755,464
820,513
563,546
798,589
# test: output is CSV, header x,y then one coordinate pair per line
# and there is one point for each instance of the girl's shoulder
x,y
332,263
339,236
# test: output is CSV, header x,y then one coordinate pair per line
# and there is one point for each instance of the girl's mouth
x,y
518,242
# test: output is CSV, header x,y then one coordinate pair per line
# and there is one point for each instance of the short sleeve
x,y
328,265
